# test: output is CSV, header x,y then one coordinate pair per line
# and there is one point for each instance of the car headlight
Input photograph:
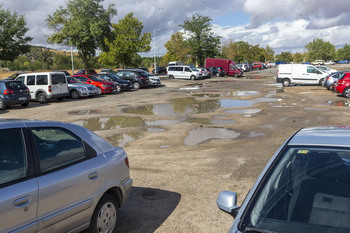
x,y
83,89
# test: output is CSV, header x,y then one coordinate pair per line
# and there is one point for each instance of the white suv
x,y
45,85
184,72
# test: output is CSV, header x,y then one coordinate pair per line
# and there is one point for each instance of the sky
x,y
284,25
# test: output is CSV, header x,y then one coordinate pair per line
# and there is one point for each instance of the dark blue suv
x,y
13,92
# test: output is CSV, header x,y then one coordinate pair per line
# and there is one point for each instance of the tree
x,y
270,53
83,24
13,41
343,53
298,58
125,42
284,56
318,49
177,48
202,40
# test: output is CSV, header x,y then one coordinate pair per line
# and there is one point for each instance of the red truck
x,y
228,65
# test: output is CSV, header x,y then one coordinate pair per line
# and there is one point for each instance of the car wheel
x,y
99,91
286,82
320,82
74,94
41,97
346,92
104,218
2,104
119,88
136,85
217,75
193,77
171,76
25,104
236,75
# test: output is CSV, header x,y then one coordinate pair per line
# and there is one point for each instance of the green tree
x,y
202,40
13,41
298,58
318,49
343,53
126,41
177,48
270,53
284,56
83,24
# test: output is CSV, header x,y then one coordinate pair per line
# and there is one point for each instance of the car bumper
x,y
127,186
16,100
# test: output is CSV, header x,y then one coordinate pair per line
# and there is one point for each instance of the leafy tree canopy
x,y
125,42
83,24
318,49
13,41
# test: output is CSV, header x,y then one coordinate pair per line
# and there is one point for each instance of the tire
x,y
41,97
25,104
236,75
99,91
119,88
346,92
171,76
320,82
74,94
217,75
286,82
136,85
193,77
2,104
104,218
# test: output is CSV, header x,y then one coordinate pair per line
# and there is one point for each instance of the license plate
x,y
22,98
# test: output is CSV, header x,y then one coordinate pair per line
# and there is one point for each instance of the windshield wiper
x,y
253,229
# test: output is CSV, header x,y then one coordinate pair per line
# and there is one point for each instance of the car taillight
x,y
8,92
142,77
127,162
27,90
49,87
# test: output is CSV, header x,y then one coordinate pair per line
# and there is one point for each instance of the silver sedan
x,y
305,187
59,177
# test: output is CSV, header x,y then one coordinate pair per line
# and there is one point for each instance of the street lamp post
x,y
154,47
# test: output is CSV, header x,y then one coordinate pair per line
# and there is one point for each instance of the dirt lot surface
x,y
178,170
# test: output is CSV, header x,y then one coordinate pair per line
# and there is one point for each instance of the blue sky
x,y
286,25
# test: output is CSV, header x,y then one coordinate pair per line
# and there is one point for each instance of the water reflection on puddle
x,y
200,135
85,112
164,122
115,122
155,130
243,111
339,103
122,139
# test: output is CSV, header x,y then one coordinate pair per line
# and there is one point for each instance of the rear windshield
x,y
16,85
41,80
58,78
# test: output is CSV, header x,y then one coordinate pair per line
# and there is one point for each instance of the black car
x,y
138,78
13,92
13,76
144,68
159,70
124,85
217,71
66,73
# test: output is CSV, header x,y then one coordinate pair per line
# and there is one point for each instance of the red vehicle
x,y
102,86
257,66
228,65
343,85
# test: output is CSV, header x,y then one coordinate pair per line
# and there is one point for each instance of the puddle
x,y
208,95
164,122
206,121
106,123
155,130
85,112
243,93
223,122
200,135
165,146
242,111
121,140
339,103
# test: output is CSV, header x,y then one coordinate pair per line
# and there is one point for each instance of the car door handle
x,y
23,201
93,176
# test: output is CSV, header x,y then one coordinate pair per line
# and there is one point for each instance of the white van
x,y
184,72
175,63
299,74
45,85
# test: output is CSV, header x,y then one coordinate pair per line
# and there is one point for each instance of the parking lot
x,y
189,140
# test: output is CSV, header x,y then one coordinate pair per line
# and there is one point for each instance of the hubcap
x,y
106,218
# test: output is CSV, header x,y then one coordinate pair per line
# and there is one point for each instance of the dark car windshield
x,y
307,190
96,79
15,85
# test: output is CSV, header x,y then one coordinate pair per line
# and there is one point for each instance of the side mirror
x,y
227,202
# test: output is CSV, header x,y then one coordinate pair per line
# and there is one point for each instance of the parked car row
x,y
43,86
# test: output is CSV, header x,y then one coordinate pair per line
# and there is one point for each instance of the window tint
x,y
57,147
177,68
130,74
41,80
20,78
12,155
187,69
30,80
171,68
82,79
58,78
15,85
311,69
120,74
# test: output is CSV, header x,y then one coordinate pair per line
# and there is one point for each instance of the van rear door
x,y
59,84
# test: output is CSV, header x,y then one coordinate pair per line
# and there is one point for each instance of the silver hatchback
x,y
59,177
304,188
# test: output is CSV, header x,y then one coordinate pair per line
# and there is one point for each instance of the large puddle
x,y
243,111
115,122
122,139
201,135
187,106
